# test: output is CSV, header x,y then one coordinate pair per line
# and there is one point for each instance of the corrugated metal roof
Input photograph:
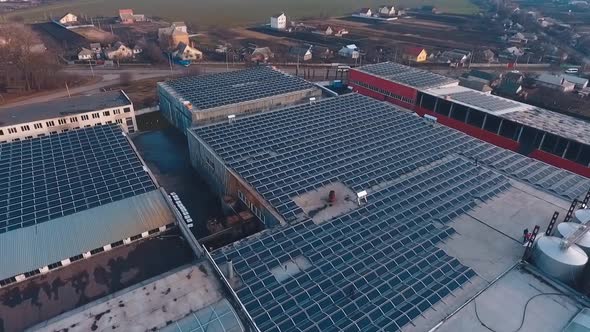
x,y
29,248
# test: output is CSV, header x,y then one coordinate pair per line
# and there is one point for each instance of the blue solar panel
x,y
378,266
53,176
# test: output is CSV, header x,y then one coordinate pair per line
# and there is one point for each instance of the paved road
x,y
111,76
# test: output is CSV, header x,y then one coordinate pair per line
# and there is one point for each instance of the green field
x,y
229,12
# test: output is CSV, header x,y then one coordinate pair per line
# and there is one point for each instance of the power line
x,y
523,312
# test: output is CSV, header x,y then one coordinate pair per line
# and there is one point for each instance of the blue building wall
x,y
222,182
174,110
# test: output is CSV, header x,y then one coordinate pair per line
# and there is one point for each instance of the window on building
x,y
584,157
12,130
62,121
1,132
117,111
53,132
127,109
475,118
25,128
95,115
98,124
86,126
443,107
119,121
509,129
459,112
560,146
84,117
573,151
106,113
65,130
129,121
50,123
73,119
38,125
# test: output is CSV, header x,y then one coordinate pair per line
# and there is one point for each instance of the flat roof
x,y
383,264
62,107
186,299
552,122
409,76
214,90
46,178
90,279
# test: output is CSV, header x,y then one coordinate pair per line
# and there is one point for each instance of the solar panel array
x,y
485,101
221,89
53,176
376,267
413,77
552,122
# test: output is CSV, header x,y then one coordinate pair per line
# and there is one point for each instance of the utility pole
x,y
91,69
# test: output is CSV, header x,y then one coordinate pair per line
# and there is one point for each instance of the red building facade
x,y
505,132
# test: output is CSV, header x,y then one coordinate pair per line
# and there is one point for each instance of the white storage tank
x,y
582,216
567,228
566,265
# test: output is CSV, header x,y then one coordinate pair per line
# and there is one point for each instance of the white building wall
x,y
123,115
278,22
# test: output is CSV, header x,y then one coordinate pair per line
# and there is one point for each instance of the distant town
x,y
391,169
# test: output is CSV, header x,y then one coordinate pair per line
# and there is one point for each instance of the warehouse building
x,y
62,115
385,221
69,196
554,138
195,100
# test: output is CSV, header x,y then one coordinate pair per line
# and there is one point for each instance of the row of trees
x,y
25,61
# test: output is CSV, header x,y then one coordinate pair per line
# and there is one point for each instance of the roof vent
x,y
361,197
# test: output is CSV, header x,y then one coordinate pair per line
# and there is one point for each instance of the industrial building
x,y
554,138
380,220
62,115
72,195
196,100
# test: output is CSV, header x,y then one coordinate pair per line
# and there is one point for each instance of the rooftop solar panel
x,y
485,101
413,77
379,265
53,176
216,90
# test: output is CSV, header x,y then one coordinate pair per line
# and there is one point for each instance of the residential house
x,y
517,38
324,30
261,54
170,37
349,51
511,84
415,54
485,77
513,52
118,52
339,32
454,57
320,52
302,53
126,16
366,12
278,21
137,49
95,47
387,11
86,54
489,55
68,19
579,82
185,52
555,82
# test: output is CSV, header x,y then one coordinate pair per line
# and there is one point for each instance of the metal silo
x,y
566,264
582,216
566,229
